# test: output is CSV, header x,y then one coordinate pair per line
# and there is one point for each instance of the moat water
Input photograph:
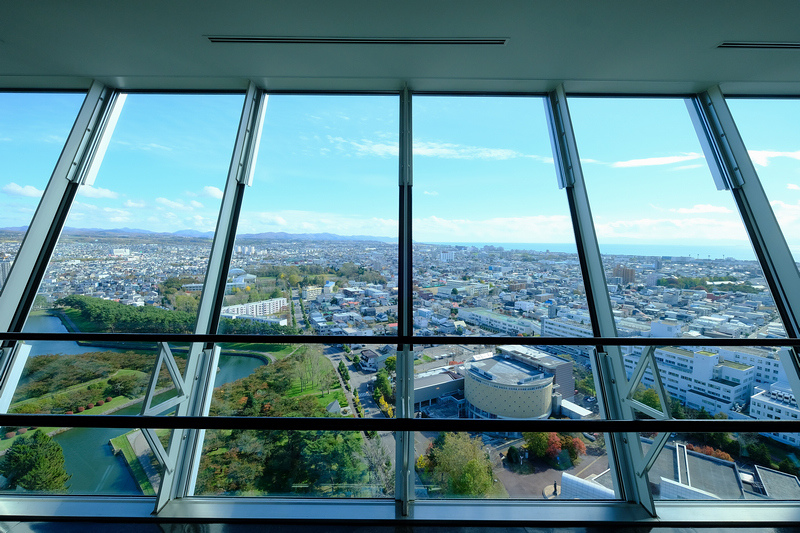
x,y
87,453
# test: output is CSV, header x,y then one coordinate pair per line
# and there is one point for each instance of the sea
x,y
737,251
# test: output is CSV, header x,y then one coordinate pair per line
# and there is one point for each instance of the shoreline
x,y
71,327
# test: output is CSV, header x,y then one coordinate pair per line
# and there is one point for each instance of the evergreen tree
x,y
35,462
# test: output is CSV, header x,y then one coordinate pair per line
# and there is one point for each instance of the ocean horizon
x,y
742,252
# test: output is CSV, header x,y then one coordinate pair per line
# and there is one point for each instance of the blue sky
x,y
483,169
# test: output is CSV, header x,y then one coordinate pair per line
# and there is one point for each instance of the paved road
x,y
540,483
144,454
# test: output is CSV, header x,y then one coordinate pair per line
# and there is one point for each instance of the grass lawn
x,y
84,325
121,443
498,491
277,350
96,410
81,386
334,395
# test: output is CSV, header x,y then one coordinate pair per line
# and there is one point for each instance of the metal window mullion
x,y
733,169
624,452
35,252
404,451
202,359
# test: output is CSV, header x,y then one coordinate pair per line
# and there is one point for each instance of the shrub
x,y
89,406
513,454
81,409
100,402
109,398
10,434
22,431
69,412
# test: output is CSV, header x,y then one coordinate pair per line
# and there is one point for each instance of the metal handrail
x,y
398,424
394,339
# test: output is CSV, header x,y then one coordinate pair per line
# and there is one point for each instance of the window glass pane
x,y
506,382
523,466
768,128
738,383
33,129
495,250
725,466
135,246
315,253
88,378
333,464
677,258
494,255
316,242
296,380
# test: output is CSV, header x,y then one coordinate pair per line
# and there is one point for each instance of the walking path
x,y
143,453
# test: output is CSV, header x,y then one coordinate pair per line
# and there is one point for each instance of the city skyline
x,y
167,162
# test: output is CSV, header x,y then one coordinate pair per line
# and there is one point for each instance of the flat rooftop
x,y
505,371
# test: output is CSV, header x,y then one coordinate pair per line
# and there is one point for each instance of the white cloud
x,y
196,204
271,219
762,157
793,187
96,192
212,192
131,203
430,149
19,190
711,230
541,228
365,147
116,211
702,208
654,161
144,146
292,221
430,193
117,215
170,204
689,167
458,151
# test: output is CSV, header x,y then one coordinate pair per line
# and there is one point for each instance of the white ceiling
x,y
590,46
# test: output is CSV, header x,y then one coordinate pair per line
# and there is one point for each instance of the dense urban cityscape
x,y
350,288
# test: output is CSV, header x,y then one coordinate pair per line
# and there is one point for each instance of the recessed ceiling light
x,y
354,40
761,45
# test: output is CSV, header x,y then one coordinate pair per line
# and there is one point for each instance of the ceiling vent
x,y
354,40
760,45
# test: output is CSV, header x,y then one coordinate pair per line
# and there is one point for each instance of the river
x,y
87,454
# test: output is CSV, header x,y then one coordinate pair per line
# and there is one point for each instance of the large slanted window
x,y
33,128
132,258
316,255
495,255
253,283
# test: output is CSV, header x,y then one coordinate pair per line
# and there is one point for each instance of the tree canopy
x,y
35,462
461,463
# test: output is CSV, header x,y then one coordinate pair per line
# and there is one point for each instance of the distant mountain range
x,y
194,234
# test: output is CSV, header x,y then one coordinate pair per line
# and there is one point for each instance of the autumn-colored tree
x,y
553,445
574,446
